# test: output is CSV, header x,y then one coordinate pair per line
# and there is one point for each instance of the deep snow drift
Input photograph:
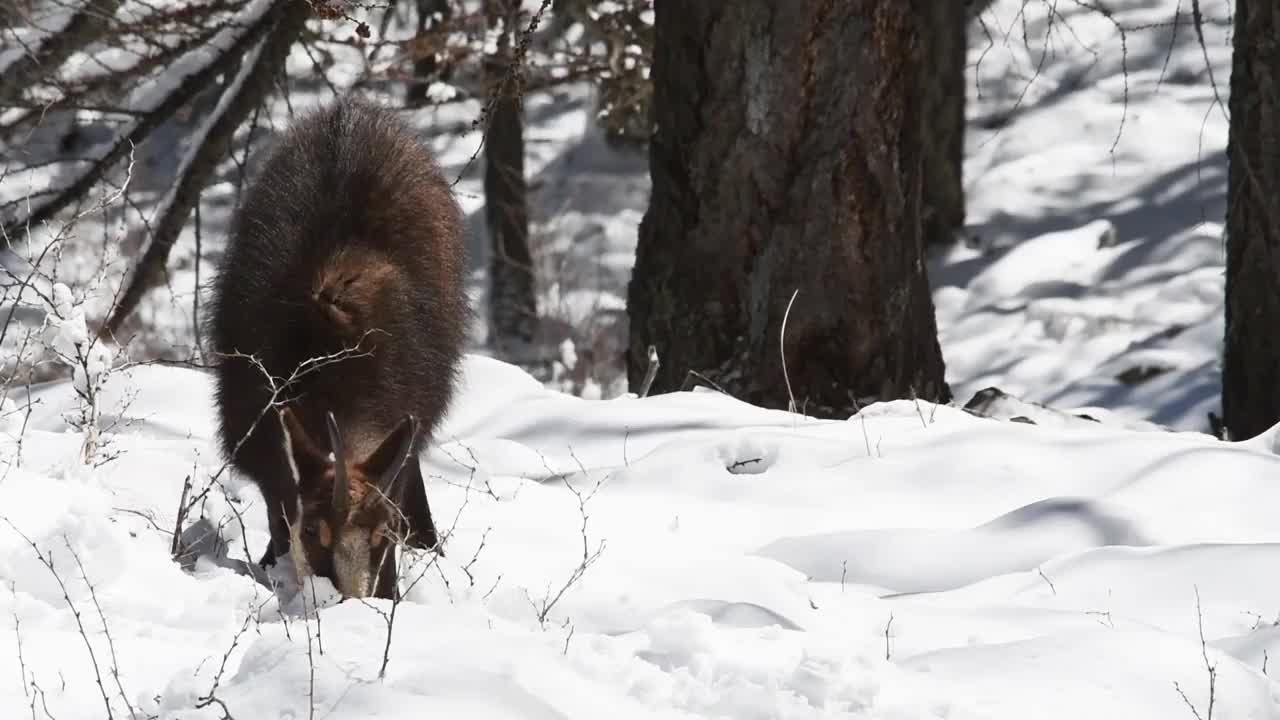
x,y
913,561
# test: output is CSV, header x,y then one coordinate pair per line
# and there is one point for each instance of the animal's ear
x,y
307,458
389,459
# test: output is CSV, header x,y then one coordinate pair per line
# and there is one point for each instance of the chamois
x,y
337,321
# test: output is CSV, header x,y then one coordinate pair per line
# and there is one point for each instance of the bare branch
x,y
47,561
589,556
210,698
1210,668
106,631
176,546
86,25
650,373
212,145
272,14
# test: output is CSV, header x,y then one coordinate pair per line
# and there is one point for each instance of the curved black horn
x,y
341,488
388,482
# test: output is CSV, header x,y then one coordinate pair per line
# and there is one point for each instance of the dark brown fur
x,y
348,237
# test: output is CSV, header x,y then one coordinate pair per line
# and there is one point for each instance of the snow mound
x,y
683,555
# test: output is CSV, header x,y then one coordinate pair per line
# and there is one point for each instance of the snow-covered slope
x,y
913,561
1095,180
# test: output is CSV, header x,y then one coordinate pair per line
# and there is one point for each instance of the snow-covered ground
x,y
1101,187
688,555
911,562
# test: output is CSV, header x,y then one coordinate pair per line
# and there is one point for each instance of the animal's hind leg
x,y
422,528
281,504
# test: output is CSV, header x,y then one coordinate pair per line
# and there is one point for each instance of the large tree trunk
x,y
945,42
1251,356
787,158
512,303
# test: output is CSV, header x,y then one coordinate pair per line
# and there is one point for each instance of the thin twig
x,y
106,631
47,561
782,351
650,373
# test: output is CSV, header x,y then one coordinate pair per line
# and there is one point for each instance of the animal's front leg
x,y
278,545
417,511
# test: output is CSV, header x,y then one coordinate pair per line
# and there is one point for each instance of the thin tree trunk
x,y
512,302
1251,354
787,160
974,8
426,67
945,42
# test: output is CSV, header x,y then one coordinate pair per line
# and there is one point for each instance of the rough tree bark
x,y
787,158
1251,353
945,42
513,308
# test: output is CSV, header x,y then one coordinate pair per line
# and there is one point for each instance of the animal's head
x,y
348,508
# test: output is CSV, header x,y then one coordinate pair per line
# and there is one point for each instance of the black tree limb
x,y
277,15
242,95
100,91
87,25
